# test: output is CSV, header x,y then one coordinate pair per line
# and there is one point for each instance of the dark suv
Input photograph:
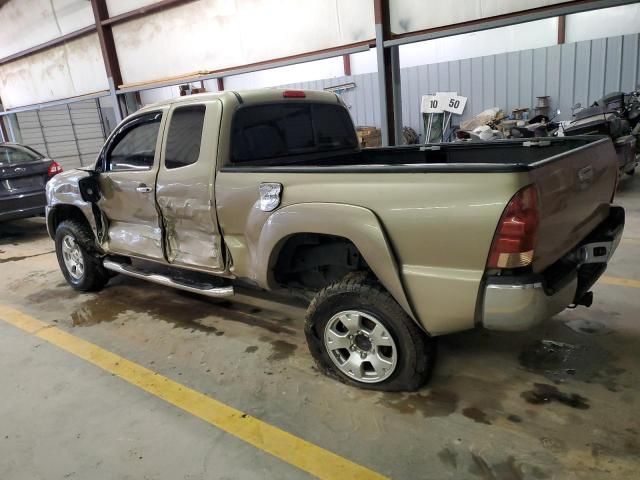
x,y
23,175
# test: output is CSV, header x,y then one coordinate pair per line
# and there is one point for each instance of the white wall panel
x,y
541,33
603,23
364,62
26,23
73,69
412,15
302,72
116,7
211,35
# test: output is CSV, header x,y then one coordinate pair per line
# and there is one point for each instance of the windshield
x,y
15,155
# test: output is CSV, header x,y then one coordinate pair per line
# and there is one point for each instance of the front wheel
x,y
359,334
75,249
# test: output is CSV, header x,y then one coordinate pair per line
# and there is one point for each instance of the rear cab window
x,y
269,134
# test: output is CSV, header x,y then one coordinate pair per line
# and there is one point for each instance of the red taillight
x,y
515,239
54,169
293,94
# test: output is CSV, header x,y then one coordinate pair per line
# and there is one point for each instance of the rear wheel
x,y
359,334
77,257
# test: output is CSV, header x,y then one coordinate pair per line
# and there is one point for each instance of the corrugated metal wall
x,y
570,73
70,134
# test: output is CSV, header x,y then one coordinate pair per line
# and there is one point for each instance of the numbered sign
x,y
453,103
430,104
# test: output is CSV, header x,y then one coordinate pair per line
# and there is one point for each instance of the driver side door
x,y
128,187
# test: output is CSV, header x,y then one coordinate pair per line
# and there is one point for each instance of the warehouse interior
x,y
132,379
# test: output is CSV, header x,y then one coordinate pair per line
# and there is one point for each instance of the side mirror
x,y
89,188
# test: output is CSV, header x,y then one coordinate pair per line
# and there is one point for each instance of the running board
x,y
217,292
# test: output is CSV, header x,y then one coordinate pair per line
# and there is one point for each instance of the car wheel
x,y
75,249
359,334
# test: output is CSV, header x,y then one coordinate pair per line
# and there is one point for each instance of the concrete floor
x,y
61,417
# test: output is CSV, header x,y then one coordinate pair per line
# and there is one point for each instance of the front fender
x,y
63,191
357,224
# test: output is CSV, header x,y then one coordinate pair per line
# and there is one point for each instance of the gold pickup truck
x,y
392,246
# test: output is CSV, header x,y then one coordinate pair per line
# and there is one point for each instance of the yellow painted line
x,y
621,282
631,240
287,447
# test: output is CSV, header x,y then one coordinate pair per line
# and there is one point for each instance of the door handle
x,y
143,188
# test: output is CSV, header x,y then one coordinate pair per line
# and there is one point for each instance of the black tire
x,y
416,351
94,277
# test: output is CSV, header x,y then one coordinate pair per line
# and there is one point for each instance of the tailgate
x,y
575,189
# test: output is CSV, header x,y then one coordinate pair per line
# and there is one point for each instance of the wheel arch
x,y
61,212
358,225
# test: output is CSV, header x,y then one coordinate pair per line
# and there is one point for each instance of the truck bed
x,y
438,206
497,156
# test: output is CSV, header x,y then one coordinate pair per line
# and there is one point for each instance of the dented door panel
x,y
134,228
185,193
127,187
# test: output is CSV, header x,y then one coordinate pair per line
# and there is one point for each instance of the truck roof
x,y
261,95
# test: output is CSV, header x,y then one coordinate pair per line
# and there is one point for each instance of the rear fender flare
x,y
357,224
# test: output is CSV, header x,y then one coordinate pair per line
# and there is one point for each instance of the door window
x,y
134,147
185,135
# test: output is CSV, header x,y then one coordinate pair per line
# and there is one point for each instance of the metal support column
x,y
388,77
107,45
75,135
44,137
396,90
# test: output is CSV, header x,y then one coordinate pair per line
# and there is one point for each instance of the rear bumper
x,y
515,303
22,206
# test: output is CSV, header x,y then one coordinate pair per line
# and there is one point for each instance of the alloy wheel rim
x,y
72,256
360,346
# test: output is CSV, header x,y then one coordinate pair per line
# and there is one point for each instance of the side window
x,y
135,147
184,137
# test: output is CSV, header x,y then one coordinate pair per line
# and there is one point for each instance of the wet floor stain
x,y
560,361
22,231
281,350
589,327
514,418
555,445
251,349
543,393
182,310
509,469
436,403
64,292
448,457
476,415
23,257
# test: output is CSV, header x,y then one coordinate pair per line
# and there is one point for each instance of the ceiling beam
x,y
253,67
50,44
144,11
